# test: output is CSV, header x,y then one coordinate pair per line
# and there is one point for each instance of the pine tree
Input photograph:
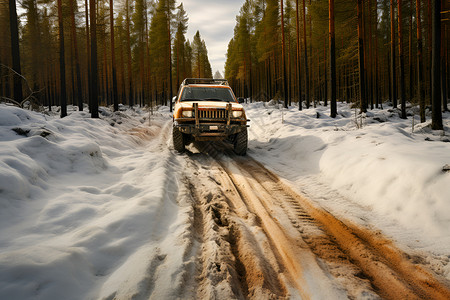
x,y
62,63
436,116
93,94
5,50
18,96
31,42
400,57
305,54
113,58
201,67
179,44
283,57
299,78
393,68
332,60
420,90
362,95
73,4
128,43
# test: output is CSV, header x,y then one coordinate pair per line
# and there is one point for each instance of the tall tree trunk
x,y
113,57
370,61
430,42
299,79
130,78
402,63
105,92
93,96
15,51
411,88
306,57
88,53
250,87
325,73
62,63
420,89
310,54
288,69
443,66
363,101
332,60
436,116
393,70
283,57
73,93
178,62
376,74
77,62
170,87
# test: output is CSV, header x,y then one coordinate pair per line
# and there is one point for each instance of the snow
x,y
96,208
383,165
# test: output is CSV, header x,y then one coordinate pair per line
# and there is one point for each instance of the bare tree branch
x,y
30,97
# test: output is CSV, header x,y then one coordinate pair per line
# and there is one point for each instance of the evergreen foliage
x,y
254,64
150,51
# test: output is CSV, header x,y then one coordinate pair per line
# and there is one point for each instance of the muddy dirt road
x,y
256,238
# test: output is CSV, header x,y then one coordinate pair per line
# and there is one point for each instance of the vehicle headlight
x,y
237,113
187,113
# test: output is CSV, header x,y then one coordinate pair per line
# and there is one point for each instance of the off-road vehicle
x,y
207,110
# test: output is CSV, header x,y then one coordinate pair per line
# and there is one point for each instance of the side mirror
x,y
174,99
241,100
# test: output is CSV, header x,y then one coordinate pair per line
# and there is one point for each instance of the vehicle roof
x,y
205,81
208,86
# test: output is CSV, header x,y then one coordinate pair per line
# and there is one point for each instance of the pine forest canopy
x,y
267,61
136,52
141,53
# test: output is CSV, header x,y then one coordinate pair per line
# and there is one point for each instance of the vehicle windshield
x,y
206,94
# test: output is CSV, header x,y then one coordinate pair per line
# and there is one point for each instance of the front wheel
x,y
240,142
178,141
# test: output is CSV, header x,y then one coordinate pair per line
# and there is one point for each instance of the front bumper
x,y
210,131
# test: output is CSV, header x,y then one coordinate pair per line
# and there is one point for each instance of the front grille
x,y
212,114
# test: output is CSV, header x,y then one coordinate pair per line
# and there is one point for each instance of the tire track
x,y
235,261
365,256
300,266
275,243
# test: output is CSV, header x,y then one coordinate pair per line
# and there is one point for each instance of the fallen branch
x,y
31,94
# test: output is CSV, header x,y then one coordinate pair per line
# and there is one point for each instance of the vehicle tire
x,y
178,140
240,142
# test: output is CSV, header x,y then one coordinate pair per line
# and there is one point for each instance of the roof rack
x,y
188,81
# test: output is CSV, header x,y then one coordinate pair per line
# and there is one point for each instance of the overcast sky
x,y
216,20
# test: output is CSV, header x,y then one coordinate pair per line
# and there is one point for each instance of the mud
x,y
258,239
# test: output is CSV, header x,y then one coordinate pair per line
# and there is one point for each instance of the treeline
x,y
364,52
96,52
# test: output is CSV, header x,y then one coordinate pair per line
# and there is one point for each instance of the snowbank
x,y
90,208
382,165
96,208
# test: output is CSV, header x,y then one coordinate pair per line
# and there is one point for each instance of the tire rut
x,y
216,274
279,244
233,262
364,257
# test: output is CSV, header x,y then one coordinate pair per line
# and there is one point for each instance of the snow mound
x,y
377,160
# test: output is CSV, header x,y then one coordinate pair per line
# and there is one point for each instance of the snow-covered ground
x,y
380,163
93,209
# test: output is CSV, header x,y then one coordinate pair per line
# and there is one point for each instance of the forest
x,y
361,52
136,52
69,51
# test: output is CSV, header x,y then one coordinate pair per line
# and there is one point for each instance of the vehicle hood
x,y
210,104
